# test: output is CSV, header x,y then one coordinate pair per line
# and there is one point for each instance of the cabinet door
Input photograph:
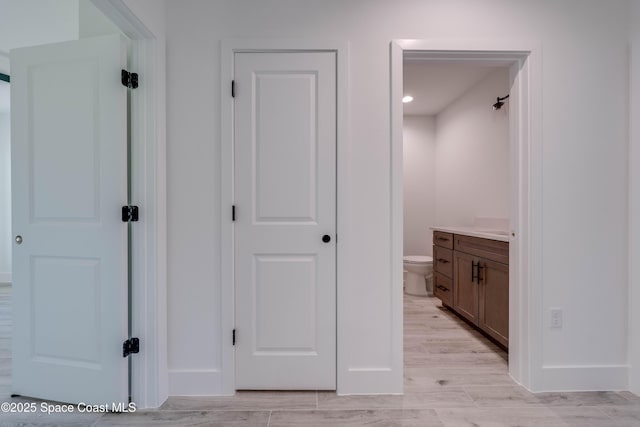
x,y
465,290
494,300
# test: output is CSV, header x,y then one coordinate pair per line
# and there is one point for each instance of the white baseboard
x,y
5,278
585,378
196,382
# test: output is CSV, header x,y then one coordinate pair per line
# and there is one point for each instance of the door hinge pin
x,y
129,213
130,346
129,80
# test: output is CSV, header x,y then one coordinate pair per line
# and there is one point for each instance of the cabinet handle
x,y
479,276
442,239
442,260
442,288
474,275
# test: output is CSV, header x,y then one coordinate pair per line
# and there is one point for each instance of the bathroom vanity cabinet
x,y
471,276
443,267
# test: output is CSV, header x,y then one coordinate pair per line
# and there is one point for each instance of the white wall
x,y
472,155
35,22
4,63
92,22
419,145
5,197
585,189
584,166
152,13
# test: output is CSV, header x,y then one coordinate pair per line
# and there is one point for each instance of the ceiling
x,y
434,85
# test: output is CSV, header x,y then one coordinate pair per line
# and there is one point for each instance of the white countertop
x,y
501,235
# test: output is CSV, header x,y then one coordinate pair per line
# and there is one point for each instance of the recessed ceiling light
x,y
407,99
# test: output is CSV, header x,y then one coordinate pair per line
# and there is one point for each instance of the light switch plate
x,y
556,318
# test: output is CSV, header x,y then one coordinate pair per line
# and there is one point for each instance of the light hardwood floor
x,y
453,377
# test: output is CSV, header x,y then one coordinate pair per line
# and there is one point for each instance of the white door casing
x,y
285,194
69,182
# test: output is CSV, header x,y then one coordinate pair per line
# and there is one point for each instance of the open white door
x,y
285,193
69,183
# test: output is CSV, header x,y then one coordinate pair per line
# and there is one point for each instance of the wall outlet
x,y
556,318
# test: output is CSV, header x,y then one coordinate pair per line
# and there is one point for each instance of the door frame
x,y
633,215
225,377
149,372
525,113
5,277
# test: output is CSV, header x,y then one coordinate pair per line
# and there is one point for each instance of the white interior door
x,y
69,182
285,193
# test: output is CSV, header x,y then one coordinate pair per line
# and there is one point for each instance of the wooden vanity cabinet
x,y
477,281
443,267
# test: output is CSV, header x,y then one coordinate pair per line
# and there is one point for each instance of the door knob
x,y
18,239
326,238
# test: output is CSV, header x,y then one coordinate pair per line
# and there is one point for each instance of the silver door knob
x,y
18,239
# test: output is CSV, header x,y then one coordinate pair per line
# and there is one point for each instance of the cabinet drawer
x,y
493,250
443,260
440,238
443,288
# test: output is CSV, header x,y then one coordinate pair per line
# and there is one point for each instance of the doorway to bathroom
x,y
456,192
465,166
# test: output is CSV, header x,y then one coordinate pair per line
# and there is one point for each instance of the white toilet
x,y
419,276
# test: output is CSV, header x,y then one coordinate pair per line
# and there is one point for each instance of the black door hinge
x,y
129,80
130,346
233,213
129,213
233,88
234,337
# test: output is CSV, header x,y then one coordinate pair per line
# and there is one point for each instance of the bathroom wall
x,y
419,146
472,155
5,195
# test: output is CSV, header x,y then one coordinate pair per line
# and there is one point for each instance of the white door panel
x,y
285,168
69,182
294,329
